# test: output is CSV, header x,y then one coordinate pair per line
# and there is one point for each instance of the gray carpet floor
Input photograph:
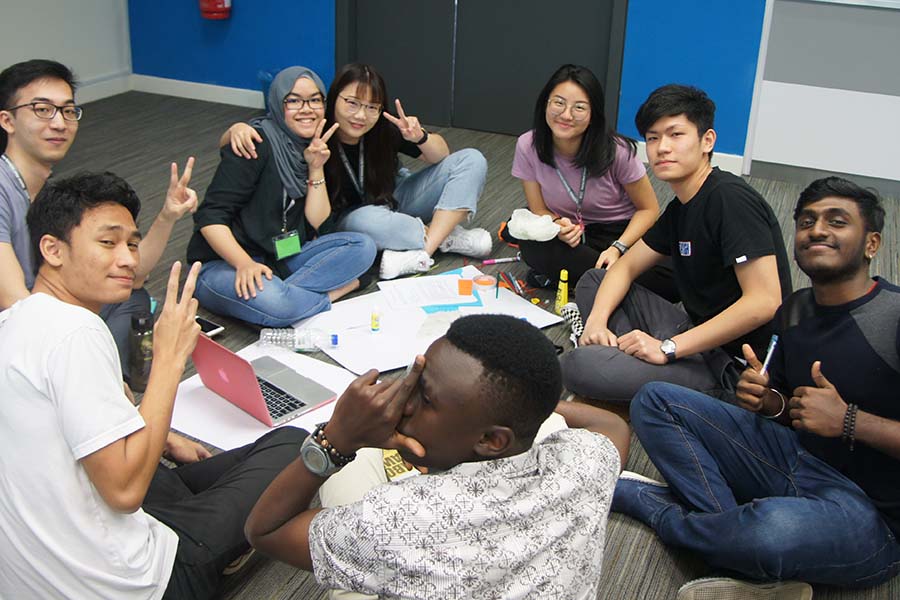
x,y
137,135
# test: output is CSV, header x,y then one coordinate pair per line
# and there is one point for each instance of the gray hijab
x,y
287,146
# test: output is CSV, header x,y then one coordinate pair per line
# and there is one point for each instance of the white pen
x,y
769,352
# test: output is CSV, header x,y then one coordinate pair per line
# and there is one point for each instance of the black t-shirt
x,y
348,189
859,346
725,224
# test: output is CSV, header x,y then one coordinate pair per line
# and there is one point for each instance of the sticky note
x,y
465,287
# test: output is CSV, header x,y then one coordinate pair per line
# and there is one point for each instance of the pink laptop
x,y
267,389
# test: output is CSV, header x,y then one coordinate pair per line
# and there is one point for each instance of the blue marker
x,y
769,352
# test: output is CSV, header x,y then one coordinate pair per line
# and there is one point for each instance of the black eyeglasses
x,y
46,111
297,103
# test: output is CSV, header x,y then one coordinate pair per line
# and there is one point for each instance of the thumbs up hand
x,y
818,409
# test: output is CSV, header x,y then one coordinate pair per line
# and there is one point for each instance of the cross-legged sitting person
x,y
263,231
497,516
86,508
730,265
802,479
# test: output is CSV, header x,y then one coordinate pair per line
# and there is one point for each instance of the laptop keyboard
x,y
278,402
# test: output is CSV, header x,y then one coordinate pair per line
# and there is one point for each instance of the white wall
x,y
89,36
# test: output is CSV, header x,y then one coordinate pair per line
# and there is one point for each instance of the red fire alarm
x,y
215,9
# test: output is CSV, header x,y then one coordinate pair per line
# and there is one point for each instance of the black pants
x,y
206,504
549,257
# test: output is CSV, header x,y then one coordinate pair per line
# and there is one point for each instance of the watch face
x,y
315,460
668,347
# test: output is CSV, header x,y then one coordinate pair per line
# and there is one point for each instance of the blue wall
x,y
711,45
169,39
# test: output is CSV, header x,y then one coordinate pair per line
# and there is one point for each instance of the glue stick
x,y
375,320
562,292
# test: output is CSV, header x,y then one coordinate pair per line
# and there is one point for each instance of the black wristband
x,y
424,137
849,434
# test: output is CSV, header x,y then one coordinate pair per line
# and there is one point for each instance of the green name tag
x,y
287,244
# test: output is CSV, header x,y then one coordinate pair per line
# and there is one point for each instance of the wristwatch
x,y
424,137
622,248
668,348
320,457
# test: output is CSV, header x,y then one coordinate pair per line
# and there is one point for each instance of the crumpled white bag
x,y
525,225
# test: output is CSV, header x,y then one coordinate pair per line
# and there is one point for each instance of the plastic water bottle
x,y
298,340
141,351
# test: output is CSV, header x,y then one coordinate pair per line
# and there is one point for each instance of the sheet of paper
x,y
203,414
407,332
417,292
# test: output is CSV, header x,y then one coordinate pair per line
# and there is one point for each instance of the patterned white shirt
x,y
527,526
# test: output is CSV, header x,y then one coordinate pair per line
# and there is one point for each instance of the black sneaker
x,y
538,280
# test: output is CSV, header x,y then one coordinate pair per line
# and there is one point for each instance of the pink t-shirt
x,y
605,199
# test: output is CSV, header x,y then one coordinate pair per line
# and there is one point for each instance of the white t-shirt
x,y
61,399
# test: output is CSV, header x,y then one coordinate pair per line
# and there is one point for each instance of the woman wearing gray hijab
x,y
263,229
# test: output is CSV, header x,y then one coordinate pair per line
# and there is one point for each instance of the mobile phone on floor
x,y
210,328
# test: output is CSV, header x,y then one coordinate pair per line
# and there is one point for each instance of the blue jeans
x,y
750,498
455,183
324,264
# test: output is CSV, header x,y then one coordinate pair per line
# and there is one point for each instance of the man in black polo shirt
x,y
729,261
808,487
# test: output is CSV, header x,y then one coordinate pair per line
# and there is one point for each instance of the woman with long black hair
x,y
588,178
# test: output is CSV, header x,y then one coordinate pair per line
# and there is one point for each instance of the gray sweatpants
x,y
607,373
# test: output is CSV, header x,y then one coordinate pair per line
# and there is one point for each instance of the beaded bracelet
x,y
849,434
315,182
340,460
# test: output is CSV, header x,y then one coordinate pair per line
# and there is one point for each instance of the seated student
x,y
371,194
262,229
493,506
86,510
578,170
802,479
38,123
729,260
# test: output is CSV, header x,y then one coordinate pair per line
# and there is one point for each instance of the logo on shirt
x,y
684,248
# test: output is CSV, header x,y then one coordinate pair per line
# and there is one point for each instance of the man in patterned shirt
x,y
497,516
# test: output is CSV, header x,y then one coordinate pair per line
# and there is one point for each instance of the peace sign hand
x,y
318,153
409,127
180,199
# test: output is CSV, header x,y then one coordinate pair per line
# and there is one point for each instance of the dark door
x,y
479,64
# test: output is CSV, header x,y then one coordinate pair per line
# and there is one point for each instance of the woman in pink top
x,y
589,179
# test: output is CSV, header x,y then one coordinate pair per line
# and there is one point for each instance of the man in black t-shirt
x,y
801,480
729,260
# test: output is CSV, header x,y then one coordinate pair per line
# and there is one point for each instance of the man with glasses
x,y
38,123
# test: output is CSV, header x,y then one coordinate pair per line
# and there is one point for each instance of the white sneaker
x,y
474,242
725,588
396,263
631,475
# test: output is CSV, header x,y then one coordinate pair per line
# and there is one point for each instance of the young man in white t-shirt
x,y
39,120
79,461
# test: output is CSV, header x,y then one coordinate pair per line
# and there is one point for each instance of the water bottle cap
x,y
142,321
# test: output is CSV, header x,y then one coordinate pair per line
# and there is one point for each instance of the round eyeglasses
x,y
46,111
372,110
579,110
